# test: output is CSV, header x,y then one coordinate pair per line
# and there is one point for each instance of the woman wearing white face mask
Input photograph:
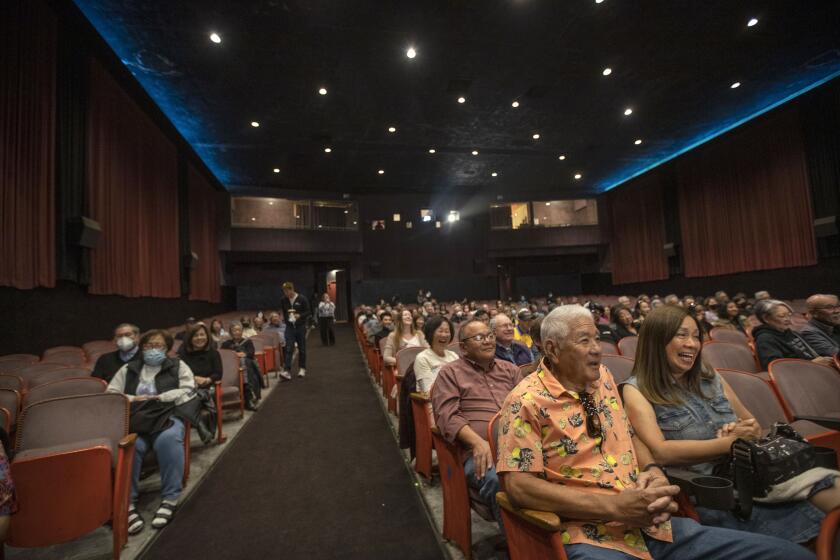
x,y
168,381
125,337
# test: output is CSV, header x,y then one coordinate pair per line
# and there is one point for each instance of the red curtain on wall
x,y
132,171
744,200
27,144
638,231
205,279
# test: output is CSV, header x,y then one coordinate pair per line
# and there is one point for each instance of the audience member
x,y
217,331
386,322
624,324
623,301
188,324
199,352
326,320
482,315
822,332
604,329
722,297
566,446
247,330
507,348
536,337
458,315
244,349
671,299
126,337
258,323
8,505
296,310
419,322
700,316
522,332
729,317
150,384
762,295
404,335
427,364
276,324
642,309
466,395
687,415
774,338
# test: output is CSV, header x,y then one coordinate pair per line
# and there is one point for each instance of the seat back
x,y
27,358
70,419
756,395
456,347
621,367
176,345
69,359
10,400
230,368
405,358
11,367
807,389
725,355
732,336
272,338
68,387
609,348
493,439
12,382
36,370
527,369
56,375
61,349
627,346
99,347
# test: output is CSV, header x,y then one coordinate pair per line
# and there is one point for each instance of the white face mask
x,y
125,343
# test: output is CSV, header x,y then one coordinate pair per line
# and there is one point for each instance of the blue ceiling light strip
x,y
156,75
626,175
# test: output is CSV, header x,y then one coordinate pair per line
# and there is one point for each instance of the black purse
x,y
757,466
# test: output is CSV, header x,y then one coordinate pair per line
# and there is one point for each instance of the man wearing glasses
x,y
822,333
566,446
466,395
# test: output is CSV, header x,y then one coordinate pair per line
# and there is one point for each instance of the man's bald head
x,y
825,308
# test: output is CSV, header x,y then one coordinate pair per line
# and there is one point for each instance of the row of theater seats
x,y
73,449
795,391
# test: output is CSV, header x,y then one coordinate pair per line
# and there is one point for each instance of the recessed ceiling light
x,y
253,219
752,22
277,170
562,157
432,150
735,85
536,136
548,204
411,53
320,225
215,38
328,150
462,99
515,104
354,223
392,129
347,211
628,111
638,141
271,203
475,152
323,91
255,124
381,172
599,1
578,176
494,174
607,71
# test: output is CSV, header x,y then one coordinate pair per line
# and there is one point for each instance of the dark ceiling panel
x,y
672,62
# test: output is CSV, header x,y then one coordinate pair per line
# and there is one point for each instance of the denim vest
x,y
697,418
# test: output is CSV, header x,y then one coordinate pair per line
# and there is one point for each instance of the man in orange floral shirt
x,y
565,445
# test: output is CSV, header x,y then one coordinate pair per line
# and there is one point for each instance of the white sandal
x,y
135,521
164,514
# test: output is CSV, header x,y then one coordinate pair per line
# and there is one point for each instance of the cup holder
x,y
713,492
825,457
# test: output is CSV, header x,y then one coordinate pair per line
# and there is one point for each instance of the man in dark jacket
x,y
126,336
774,338
822,333
506,347
296,310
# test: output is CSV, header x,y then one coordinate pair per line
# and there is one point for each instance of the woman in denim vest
x,y
687,415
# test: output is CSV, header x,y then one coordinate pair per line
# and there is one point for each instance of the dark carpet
x,y
315,474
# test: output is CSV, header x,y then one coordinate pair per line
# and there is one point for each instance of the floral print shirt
x,y
542,430
8,505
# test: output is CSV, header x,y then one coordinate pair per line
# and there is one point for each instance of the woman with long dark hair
x,y
687,415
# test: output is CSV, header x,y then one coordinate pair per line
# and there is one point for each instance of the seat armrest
x,y
832,423
420,397
545,520
127,441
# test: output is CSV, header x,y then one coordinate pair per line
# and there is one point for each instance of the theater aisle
x,y
315,474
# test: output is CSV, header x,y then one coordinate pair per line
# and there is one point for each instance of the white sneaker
x,y
285,375
301,372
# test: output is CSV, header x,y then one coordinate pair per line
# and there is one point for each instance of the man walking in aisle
x,y
326,320
296,311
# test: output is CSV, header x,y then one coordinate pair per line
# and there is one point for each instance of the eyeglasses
x,y
593,421
481,337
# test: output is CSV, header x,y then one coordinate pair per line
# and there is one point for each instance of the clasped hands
x,y
747,429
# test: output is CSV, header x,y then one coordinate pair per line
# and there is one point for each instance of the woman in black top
x,y
624,324
244,348
199,352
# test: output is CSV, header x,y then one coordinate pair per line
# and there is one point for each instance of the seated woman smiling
x,y
687,415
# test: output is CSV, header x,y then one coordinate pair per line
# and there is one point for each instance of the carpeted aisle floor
x,y
315,474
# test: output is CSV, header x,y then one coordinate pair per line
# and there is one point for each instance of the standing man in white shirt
x,y
326,320
296,311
